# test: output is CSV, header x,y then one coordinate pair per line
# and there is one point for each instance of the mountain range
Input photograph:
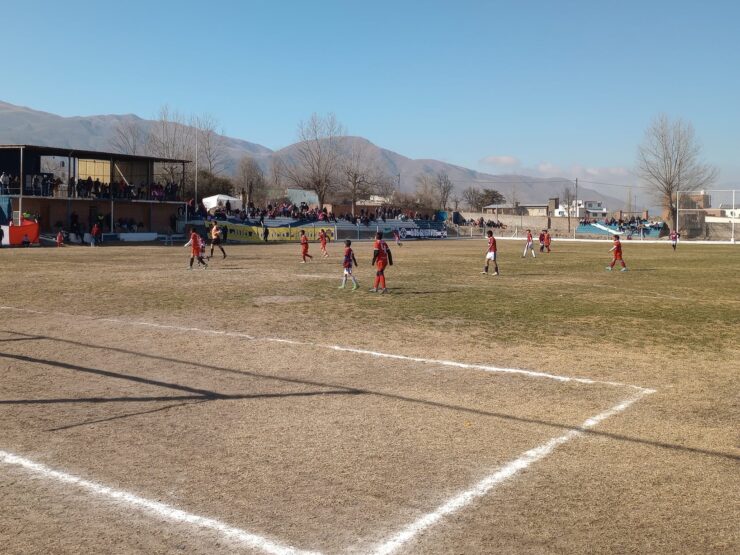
x,y
21,125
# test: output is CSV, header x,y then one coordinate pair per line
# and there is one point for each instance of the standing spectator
x,y
2,236
4,183
94,234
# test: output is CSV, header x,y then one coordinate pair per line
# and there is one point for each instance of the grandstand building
x,y
65,188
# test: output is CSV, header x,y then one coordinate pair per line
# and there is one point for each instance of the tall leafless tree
x,y
317,164
426,191
444,187
568,197
210,143
361,176
250,178
473,197
669,161
129,137
170,137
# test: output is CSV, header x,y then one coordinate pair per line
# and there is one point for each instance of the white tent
x,y
219,201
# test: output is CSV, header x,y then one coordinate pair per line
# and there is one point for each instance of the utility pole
x,y
578,220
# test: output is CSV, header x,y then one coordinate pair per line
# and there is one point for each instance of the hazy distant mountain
x,y
21,125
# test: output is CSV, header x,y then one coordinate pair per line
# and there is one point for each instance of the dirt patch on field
x,y
280,299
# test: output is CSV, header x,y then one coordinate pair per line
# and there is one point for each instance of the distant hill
x,y
21,125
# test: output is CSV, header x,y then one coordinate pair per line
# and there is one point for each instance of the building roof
x,y
90,154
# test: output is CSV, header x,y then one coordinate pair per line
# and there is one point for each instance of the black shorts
x,y
216,241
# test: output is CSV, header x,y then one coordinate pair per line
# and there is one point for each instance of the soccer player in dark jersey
x,y
349,261
381,258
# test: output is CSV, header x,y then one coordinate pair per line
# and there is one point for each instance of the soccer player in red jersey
x,y
60,239
541,239
349,261
195,250
382,257
323,238
674,238
617,250
491,254
548,240
529,246
304,247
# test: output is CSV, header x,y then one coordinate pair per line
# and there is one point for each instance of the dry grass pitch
x,y
253,407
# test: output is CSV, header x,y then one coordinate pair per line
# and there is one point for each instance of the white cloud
x,y
503,161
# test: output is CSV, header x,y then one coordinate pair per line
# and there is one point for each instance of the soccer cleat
x,y
495,273
623,269
484,272
373,290
303,261
384,290
608,268
341,287
224,256
355,287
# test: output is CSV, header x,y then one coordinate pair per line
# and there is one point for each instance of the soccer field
x,y
254,407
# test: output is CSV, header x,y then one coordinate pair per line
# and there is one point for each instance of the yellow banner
x,y
240,233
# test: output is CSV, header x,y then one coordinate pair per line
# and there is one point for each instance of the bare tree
x,y
210,143
456,200
387,186
361,176
170,137
567,195
129,137
473,197
426,193
444,187
669,161
317,163
250,178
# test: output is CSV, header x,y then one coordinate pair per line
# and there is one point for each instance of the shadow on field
x,y
328,389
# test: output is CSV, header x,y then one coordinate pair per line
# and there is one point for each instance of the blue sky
x,y
560,88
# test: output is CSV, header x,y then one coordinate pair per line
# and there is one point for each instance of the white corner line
x,y
378,354
161,510
502,474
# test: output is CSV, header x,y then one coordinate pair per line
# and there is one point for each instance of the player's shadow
x,y
328,389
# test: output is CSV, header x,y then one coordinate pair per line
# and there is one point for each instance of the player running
x,y
675,235
195,250
617,250
382,257
216,234
304,247
529,246
491,254
397,237
349,261
323,238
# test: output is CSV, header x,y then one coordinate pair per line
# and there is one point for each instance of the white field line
x,y
156,508
509,470
414,529
377,354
